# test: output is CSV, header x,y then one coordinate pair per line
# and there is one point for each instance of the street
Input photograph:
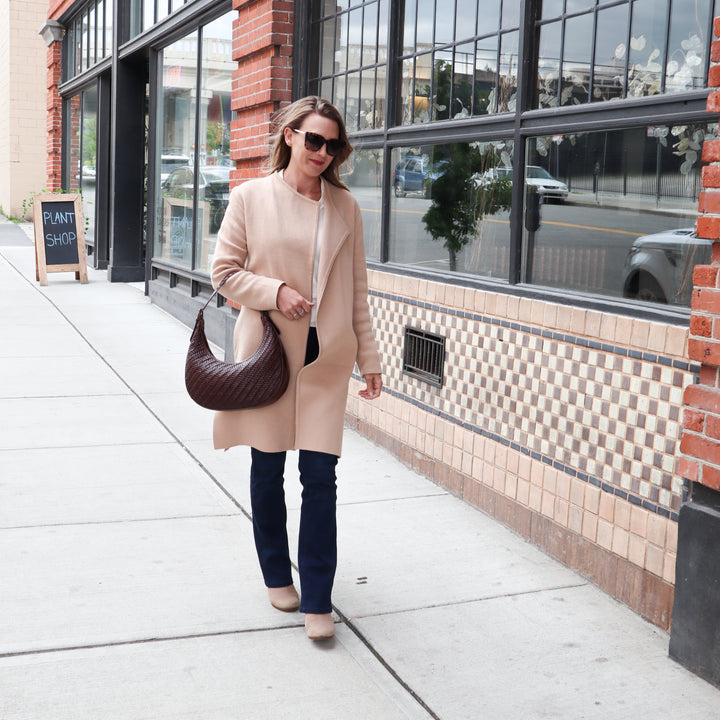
x,y
578,246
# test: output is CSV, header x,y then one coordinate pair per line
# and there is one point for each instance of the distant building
x,y
23,96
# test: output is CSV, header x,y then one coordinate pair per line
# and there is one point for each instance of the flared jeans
x,y
317,541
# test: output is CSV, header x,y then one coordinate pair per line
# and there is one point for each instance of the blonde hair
x,y
292,117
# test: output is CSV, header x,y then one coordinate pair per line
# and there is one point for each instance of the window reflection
x,y
489,17
88,168
450,207
510,15
81,168
214,115
685,67
647,47
466,18
88,39
194,174
613,213
549,65
148,14
364,178
609,63
425,21
176,150
659,57
485,76
408,43
576,60
507,81
349,49
74,143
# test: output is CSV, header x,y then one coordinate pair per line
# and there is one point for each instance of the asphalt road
x,y
581,247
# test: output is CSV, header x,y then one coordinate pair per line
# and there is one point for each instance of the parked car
x,y
535,176
213,187
659,267
415,174
171,161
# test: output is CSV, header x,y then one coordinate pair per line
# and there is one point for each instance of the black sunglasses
x,y
313,143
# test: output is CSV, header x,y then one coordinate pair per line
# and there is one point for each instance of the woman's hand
x,y
291,303
374,384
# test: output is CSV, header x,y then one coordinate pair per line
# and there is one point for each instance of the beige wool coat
x,y
269,234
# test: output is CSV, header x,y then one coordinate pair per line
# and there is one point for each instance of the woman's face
x,y
302,160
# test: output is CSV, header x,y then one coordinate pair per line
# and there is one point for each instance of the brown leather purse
x,y
254,382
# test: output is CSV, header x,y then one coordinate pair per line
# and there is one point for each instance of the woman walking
x,y
296,239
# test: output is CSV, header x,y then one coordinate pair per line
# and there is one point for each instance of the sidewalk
x,y
130,587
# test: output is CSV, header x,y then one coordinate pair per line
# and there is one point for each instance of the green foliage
x,y
27,204
462,194
89,146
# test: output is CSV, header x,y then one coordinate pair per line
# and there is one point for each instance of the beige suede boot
x,y
319,627
284,598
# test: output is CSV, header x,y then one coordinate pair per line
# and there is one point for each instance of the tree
x,y
462,193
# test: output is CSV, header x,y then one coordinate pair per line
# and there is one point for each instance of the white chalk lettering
x,y
66,238
58,218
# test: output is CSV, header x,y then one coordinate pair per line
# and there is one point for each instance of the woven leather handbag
x,y
254,382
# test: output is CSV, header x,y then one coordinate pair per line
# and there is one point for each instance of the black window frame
x,y
526,121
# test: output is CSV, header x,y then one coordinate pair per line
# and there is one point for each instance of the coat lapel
x,y
335,232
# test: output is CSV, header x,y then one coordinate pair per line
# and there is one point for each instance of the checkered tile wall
x,y
594,399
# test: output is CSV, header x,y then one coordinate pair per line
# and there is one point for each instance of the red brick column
x,y
54,116
700,443
262,83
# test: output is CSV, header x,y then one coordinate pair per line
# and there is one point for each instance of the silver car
x,y
535,177
659,267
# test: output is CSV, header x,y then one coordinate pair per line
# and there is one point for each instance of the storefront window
x,y
89,38
685,68
613,213
454,79
353,43
193,145
81,153
88,169
450,207
176,150
146,13
73,143
456,61
213,188
363,175
667,50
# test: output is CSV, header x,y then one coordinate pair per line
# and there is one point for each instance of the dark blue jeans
x,y
317,543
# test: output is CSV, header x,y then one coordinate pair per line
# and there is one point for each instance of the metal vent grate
x,y
424,356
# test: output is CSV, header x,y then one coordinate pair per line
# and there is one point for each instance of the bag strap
x,y
217,289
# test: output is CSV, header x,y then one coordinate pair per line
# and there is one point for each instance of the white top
x,y
316,264
316,261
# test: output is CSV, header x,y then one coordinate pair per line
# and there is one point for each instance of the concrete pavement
x,y
130,587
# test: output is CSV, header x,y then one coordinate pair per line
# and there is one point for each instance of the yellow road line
x,y
507,222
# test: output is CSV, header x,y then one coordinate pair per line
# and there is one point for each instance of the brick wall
x,y
262,83
700,443
54,102
54,117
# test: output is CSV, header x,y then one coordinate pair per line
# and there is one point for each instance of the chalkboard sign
x,y
59,236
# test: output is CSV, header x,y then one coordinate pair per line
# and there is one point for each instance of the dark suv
x,y
415,174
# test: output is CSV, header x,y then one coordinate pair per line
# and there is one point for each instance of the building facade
x,y
529,174
22,96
